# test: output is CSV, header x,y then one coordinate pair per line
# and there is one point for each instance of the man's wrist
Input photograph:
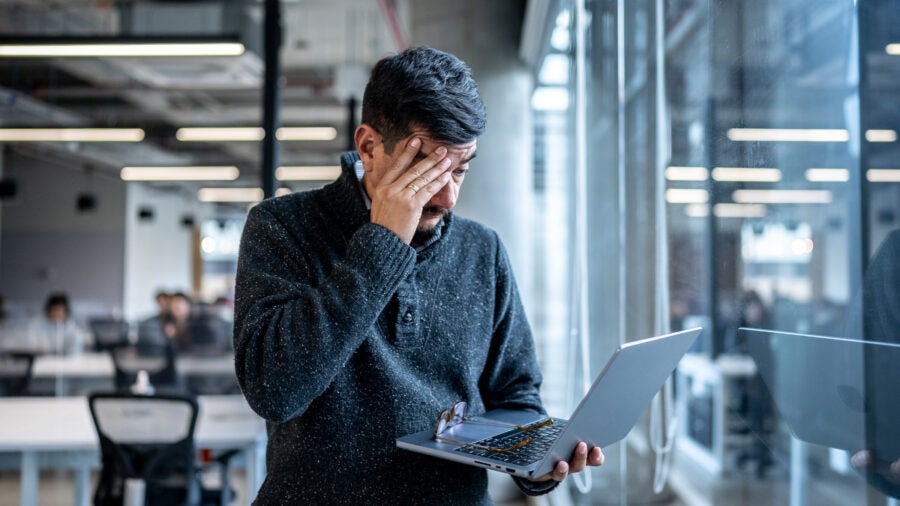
x,y
535,488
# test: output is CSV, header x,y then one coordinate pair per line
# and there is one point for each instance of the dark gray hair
x,y
422,87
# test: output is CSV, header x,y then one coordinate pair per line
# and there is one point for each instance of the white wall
x,y
47,246
158,251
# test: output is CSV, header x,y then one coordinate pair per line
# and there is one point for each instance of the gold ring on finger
x,y
414,187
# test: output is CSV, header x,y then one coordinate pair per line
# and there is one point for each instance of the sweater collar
x,y
345,199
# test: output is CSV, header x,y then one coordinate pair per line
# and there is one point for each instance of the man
x,y
366,308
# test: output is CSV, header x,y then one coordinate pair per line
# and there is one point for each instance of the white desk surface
x,y
64,423
99,365
32,425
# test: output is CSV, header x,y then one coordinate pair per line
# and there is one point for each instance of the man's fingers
x,y
432,180
579,459
424,193
596,457
561,470
403,160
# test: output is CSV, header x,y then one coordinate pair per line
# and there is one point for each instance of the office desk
x,y
703,382
34,426
95,371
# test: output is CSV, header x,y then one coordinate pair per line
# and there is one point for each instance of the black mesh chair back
x,y
108,333
15,373
150,438
157,359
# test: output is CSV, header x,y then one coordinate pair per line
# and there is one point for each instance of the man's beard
x,y
432,210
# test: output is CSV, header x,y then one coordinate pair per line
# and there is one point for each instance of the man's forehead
x,y
429,144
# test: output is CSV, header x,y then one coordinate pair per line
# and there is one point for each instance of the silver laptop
x,y
527,444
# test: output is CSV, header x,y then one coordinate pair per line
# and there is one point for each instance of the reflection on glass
x,y
836,393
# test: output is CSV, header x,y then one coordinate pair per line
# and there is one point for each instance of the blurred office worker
x,y
56,332
366,308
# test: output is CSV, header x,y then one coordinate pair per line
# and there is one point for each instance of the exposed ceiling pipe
x,y
390,15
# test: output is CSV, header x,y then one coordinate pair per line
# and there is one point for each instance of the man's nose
x,y
445,198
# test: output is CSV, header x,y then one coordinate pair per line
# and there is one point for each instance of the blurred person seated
x,y
754,404
186,327
752,312
56,332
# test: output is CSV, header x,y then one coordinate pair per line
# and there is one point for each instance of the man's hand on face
x,y
405,188
581,458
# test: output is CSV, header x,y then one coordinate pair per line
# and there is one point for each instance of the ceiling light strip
x,y
726,210
788,134
306,133
893,49
681,173
782,196
747,174
881,135
883,175
251,134
121,49
230,194
308,173
71,134
827,175
184,173
686,196
220,134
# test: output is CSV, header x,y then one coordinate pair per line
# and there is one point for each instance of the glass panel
x,y
759,140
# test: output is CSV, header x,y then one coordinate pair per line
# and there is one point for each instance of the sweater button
x,y
407,317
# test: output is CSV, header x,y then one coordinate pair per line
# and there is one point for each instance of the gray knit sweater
x,y
347,338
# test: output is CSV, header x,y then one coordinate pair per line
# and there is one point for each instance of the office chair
x,y
157,359
15,373
108,333
151,438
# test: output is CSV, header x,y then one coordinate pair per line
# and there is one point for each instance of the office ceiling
x,y
328,47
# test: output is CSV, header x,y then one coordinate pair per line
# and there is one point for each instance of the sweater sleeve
x,y
511,377
291,338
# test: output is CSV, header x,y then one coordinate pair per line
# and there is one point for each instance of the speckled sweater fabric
x,y
347,338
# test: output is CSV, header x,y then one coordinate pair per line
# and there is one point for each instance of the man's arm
x,y
291,338
512,377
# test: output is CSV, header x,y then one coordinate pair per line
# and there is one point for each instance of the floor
x,y
689,487
58,487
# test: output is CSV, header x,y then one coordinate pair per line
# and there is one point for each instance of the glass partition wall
x,y
724,164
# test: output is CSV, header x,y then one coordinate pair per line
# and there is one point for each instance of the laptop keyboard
x,y
541,440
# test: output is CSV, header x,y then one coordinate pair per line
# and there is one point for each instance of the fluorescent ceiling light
x,y
283,191
674,173
306,133
883,175
308,173
789,134
199,173
550,98
726,210
230,194
220,134
118,49
893,49
251,134
748,174
782,196
686,196
827,175
881,135
71,135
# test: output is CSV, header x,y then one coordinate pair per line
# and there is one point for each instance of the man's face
x,y
445,199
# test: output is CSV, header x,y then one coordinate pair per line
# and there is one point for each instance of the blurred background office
x,y
651,165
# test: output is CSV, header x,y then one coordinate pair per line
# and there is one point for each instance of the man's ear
x,y
366,138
